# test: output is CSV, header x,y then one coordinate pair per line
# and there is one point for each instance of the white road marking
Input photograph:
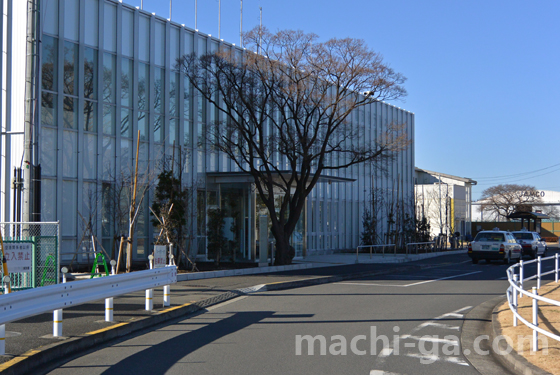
x,y
434,340
434,358
413,284
440,325
379,372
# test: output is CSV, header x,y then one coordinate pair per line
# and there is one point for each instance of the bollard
x,y
167,295
149,299
109,301
538,272
521,276
151,260
556,267
57,314
514,296
6,281
535,321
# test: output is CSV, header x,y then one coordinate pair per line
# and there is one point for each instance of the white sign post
x,y
160,256
18,256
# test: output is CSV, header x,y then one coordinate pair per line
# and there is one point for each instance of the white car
x,y
531,242
494,245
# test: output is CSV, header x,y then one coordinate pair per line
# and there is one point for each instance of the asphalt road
x,y
397,324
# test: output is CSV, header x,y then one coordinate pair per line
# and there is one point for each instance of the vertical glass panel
x,y
71,19
143,125
159,93
187,134
126,154
70,112
201,45
90,73
159,44
110,28
50,17
48,200
48,141
173,90
173,130
158,128
173,46
108,158
143,157
126,122
92,22
70,154
69,202
127,33
126,82
144,39
187,98
109,119
48,108
201,108
89,200
188,43
70,68
90,116
90,156
109,81
108,204
143,86
49,67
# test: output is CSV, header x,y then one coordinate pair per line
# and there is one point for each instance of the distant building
x,y
550,206
445,201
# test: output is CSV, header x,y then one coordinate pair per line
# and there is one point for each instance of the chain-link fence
x,y
32,253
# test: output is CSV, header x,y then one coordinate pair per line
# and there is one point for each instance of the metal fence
x,y
44,238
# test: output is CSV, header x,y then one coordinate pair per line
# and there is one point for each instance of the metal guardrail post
x,y
535,321
538,272
6,282
109,301
57,314
514,296
521,277
556,267
150,292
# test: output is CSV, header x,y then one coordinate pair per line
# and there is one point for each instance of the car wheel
x,y
487,260
533,254
545,251
474,261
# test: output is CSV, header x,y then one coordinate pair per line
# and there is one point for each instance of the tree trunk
x,y
284,252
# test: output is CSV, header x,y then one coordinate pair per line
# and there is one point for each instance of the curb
x,y
48,354
241,272
511,359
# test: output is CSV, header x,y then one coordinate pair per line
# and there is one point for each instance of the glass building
x,y
105,73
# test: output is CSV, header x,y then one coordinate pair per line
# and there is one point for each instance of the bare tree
x,y
286,113
502,200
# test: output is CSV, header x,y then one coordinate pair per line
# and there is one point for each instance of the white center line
x,y
413,284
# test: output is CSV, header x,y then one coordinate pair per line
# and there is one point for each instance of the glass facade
x,y
114,77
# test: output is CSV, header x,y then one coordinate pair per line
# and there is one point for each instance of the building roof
x,y
432,173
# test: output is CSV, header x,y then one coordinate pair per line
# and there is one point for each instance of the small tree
x,y
217,242
369,224
169,193
500,201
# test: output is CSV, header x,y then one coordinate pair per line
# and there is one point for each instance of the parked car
x,y
531,242
494,245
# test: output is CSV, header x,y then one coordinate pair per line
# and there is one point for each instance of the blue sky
x,y
483,76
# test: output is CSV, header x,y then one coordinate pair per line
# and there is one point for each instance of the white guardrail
x,y
426,246
516,291
371,247
19,305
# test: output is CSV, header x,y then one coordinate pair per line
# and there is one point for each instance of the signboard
x,y
160,256
18,256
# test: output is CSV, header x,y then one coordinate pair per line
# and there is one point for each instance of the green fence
x,y
32,250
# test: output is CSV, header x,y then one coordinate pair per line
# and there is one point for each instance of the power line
x,y
515,175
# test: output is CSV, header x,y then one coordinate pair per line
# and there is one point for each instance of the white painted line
x,y
414,284
434,358
440,325
379,372
454,315
386,352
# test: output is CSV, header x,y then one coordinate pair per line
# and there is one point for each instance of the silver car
x,y
494,245
531,242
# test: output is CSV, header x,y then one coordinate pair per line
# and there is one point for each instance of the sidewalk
x,y
29,342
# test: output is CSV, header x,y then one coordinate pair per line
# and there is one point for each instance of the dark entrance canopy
x,y
535,217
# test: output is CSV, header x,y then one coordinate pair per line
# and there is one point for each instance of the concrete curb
x,y
511,359
42,357
240,272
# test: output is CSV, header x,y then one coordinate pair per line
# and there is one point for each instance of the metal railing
x,y
25,303
371,247
516,291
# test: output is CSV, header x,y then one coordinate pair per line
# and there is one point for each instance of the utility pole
x,y
241,25
196,15
219,19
